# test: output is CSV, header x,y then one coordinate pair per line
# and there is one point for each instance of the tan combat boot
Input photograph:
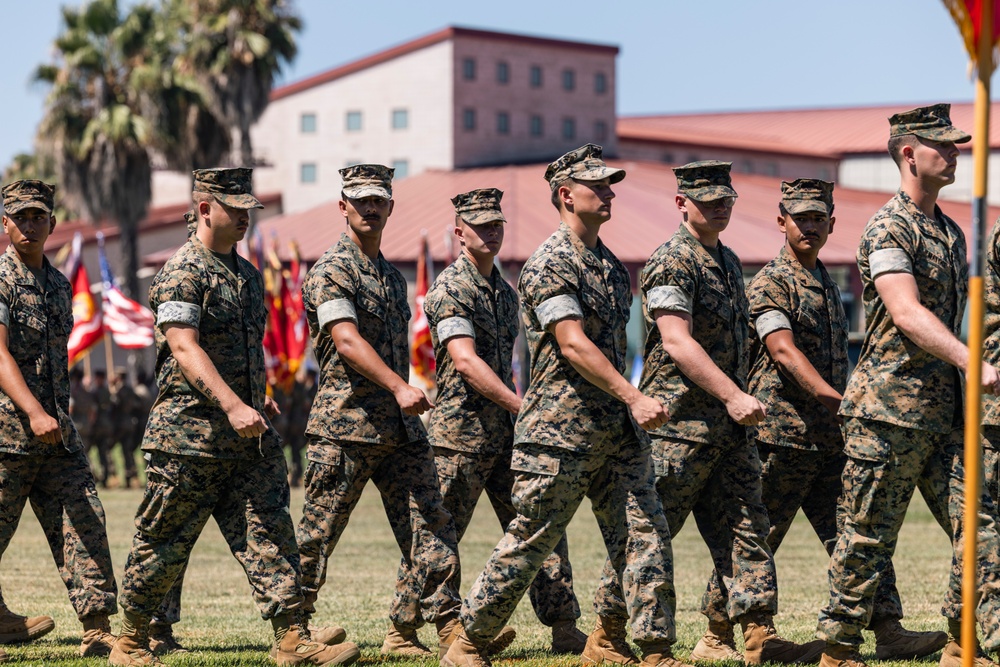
x,y
567,638
659,655
3,656
331,635
449,628
294,646
97,637
162,640
718,644
762,643
404,641
608,644
894,642
15,628
841,655
131,647
462,652
951,654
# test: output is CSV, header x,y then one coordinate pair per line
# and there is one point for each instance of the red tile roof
x,y
824,133
644,215
450,32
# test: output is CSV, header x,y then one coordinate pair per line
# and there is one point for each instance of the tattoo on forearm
x,y
204,389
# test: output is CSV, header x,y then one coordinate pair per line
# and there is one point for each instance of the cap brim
x,y
481,217
794,206
600,173
238,201
367,191
10,209
945,134
710,193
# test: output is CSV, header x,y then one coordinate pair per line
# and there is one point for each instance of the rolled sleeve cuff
x,y
337,309
771,321
558,308
669,297
453,327
889,260
178,312
4,315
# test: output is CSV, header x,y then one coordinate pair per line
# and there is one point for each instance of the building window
x,y
569,128
400,119
469,69
536,76
503,122
692,158
746,166
307,123
770,169
503,72
600,83
402,169
307,172
353,121
569,79
536,126
600,130
469,119
667,158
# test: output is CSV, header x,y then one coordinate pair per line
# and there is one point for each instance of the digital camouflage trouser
x,y
549,485
64,498
249,501
792,478
886,463
720,484
463,476
424,531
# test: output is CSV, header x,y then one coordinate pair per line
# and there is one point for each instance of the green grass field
x,y
222,627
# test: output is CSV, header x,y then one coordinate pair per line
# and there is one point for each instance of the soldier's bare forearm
x,y
198,368
12,382
795,365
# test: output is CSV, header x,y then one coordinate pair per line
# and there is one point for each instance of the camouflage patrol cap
x,y
479,206
933,122
20,195
705,180
585,163
367,180
232,187
807,194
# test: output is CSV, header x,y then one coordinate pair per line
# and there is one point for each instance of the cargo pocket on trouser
x,y
534,476
171,505
866,493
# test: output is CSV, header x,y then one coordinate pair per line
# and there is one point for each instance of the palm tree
x,y
93,128
236,49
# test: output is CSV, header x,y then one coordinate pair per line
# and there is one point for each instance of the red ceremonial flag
x,y
297,330
422,349
88,325
275,345
968,15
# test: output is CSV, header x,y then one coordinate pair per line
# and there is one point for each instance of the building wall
x,y
879,172
487,96
744,162
417,83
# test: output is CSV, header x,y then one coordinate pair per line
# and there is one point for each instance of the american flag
x,y
130,323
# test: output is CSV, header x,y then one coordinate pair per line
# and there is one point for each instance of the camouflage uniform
x,y
903,415
103,431
572,440
357,431
473,437
198,466
704,461
55,478
991,354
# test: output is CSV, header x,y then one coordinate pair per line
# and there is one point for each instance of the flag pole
x,y
973,403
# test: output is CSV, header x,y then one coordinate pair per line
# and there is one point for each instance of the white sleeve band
x,y
558,308
771,321
889,260
4,315
337,309
178,312
454,326
669,297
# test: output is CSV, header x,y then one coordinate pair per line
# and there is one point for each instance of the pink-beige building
x,y
452,99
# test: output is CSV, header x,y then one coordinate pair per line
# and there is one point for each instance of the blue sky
x,y
693,55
